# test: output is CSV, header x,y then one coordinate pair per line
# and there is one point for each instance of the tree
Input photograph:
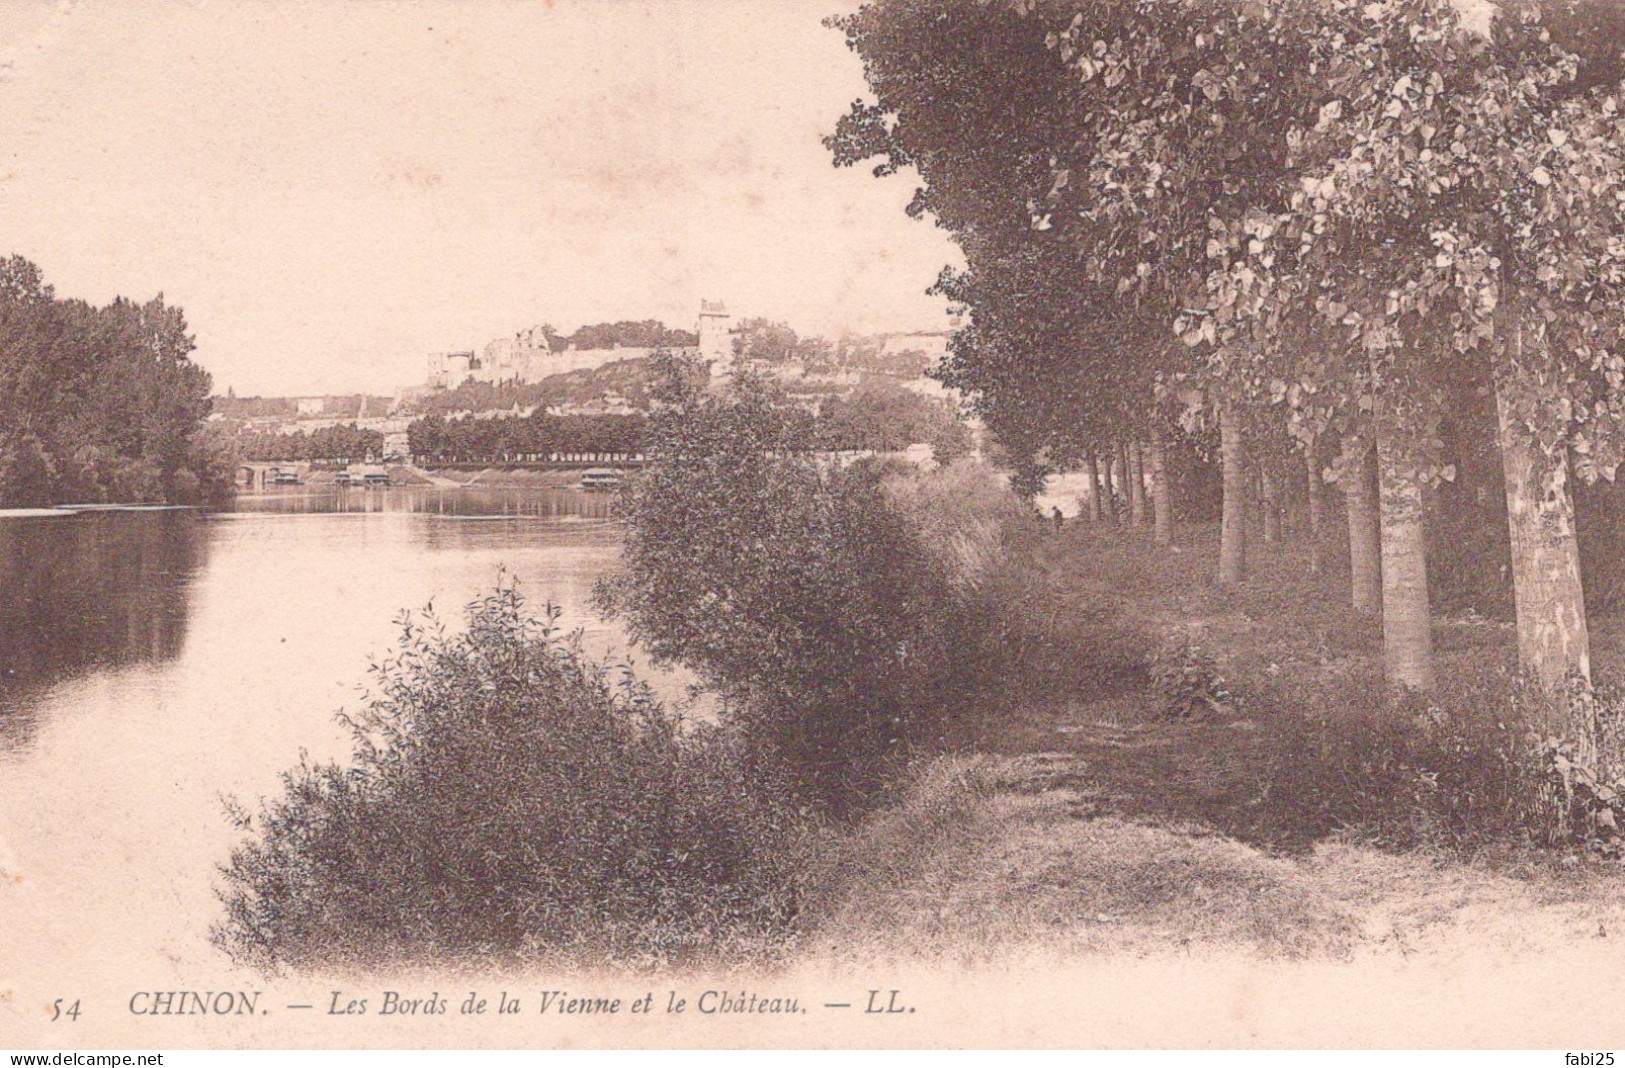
x,y
107,398
1452,201
1342,208
1057,368
644,334
764,339
1489,169
786,584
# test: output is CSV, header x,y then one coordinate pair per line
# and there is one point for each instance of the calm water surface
x,y
152,661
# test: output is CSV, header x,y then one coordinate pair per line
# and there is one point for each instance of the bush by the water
x,y
840,628
510,799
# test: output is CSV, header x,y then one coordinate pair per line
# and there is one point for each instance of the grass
x,y
1074,817
1019,863
990,858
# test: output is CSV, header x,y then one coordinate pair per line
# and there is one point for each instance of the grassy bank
x,y
991,858
1080,814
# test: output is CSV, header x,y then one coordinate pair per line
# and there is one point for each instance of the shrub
x,y
960,514
1492,760
1187,682
1345,758
950,440
508,799
794,588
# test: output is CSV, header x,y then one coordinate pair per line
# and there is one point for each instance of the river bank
x,y
511,477
1068,827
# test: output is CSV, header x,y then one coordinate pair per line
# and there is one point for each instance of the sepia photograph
x,y
716,524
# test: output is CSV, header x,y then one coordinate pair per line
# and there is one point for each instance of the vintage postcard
x,y
832,523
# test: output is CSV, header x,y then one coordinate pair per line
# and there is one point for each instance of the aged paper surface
x,y
336,194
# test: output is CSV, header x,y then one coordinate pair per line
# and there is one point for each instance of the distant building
x,y
448,370
310,405
716,336
528,357
504,360
933,343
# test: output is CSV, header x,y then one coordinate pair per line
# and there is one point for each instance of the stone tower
x,y
716,337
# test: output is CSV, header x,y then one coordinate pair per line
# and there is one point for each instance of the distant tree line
x,y
627,333
776,342
874,418
341,444
96,403
883,417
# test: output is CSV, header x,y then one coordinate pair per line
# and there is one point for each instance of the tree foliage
x,y
507,798
971,96
639,334
97,403
789,585
1346,212
331,443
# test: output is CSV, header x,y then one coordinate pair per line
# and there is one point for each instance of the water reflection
x,y
87,592
464,503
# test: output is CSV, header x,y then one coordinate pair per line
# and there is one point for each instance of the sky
x,y
333,190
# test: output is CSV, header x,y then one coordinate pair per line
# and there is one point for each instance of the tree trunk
x,y
1407,622
1316,506
1232,535
1365,530
1552,634
1091,491
1134,463
1103,477
1162,505
1119,483
1117,478
1271,497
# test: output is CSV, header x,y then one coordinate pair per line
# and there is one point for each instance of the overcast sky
x,y
332,190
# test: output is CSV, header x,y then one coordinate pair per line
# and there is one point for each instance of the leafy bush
x,y
27,474
1493,759
1187,682
793,587
1345,759
508,799
960,514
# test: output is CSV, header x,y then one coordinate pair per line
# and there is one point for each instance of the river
x,y
153,661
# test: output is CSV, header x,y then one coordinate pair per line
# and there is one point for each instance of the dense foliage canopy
x,y
97,403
